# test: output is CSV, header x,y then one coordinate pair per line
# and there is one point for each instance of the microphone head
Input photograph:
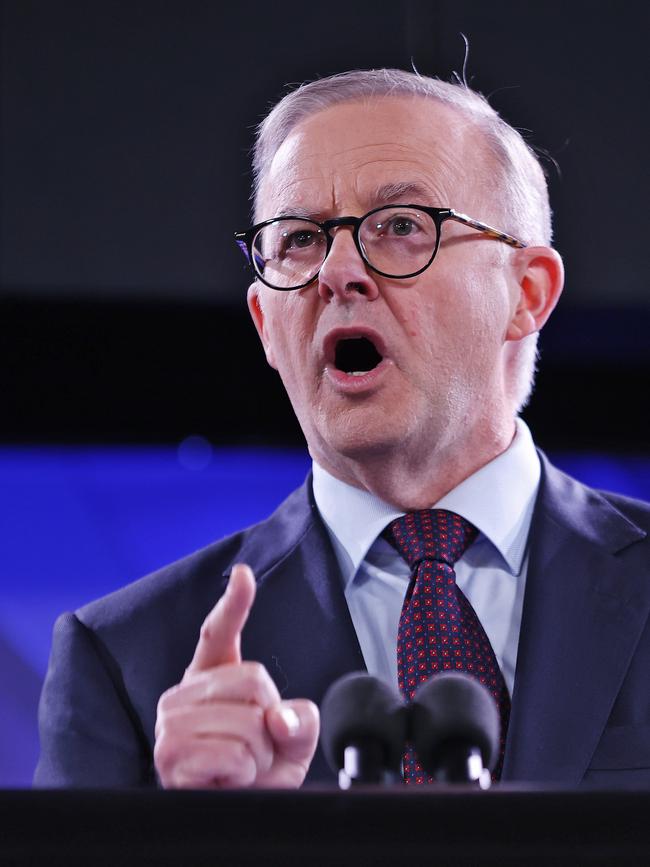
x,y
453,707
360,708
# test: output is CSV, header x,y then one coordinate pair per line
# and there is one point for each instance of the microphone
x,y
455,729
363,730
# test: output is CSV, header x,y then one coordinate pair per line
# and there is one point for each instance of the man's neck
x,y
412,480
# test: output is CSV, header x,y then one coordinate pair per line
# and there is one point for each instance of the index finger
x,y
219,641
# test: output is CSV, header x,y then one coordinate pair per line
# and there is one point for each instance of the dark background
x,y
124,170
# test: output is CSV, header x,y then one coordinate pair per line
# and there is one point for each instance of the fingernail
x,y
291,720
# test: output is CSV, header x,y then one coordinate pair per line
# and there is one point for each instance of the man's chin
x,y
364,430
360,442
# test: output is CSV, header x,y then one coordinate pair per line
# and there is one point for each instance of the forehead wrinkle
x,y
434,180
408,187
447,156
282,198
406,193
401,192
287,204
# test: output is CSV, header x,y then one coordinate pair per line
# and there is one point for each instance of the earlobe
x,y
540,276
257,315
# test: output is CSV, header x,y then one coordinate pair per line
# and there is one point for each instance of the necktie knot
x,y
430,534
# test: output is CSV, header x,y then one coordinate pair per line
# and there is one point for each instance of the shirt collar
x,y
498,499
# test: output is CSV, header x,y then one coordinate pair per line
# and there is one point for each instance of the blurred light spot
x,y
194,453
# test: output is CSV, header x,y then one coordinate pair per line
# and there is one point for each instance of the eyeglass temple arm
x,y
487,230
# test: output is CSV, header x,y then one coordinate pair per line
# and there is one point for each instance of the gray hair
x,y
526,209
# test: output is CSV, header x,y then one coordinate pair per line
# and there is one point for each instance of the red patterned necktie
x,y
438,628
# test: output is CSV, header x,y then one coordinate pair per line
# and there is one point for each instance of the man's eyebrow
x,y
408,192
297,211
405,192
284,209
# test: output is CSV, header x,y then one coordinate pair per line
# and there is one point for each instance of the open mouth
x,y
356,355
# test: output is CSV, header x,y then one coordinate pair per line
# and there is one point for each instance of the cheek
x,y
486,318
438,313
288,333
412,321
461,322
419,316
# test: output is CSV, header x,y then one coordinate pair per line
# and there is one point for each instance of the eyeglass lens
x,y
396,241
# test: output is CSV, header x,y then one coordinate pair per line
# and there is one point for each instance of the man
x,y
399,297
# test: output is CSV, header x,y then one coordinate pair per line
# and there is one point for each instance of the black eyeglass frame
x,y
244,240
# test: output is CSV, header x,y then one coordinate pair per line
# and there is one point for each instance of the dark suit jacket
x,y
581,703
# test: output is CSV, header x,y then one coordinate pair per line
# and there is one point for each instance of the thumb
x,y
293,727
219,641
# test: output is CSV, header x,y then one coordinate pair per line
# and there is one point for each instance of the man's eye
x,y
298,240
401,226
396,226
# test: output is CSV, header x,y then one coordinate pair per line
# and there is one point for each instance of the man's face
x,y
440,335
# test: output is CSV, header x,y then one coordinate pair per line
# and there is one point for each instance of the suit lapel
x,y
585,605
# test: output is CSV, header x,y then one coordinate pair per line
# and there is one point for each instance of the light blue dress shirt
x,y
498,499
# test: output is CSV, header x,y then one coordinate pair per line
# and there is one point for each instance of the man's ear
x,y
257,315
540,275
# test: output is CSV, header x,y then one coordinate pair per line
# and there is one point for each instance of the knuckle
x,y
206,632
239,753
169,725
165,700
163,756
171,697
256,714
256,669
257,681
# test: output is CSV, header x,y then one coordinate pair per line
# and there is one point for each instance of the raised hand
x,y
224,725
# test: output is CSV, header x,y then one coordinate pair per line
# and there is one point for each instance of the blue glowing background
x,y
80,522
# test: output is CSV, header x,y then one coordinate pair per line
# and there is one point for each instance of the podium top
x,y
452,825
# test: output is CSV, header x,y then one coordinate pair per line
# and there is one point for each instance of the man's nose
x,y
344,274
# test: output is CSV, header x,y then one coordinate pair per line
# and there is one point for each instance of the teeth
x,y
357,372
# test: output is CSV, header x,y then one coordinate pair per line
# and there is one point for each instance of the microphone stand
x,y
364,764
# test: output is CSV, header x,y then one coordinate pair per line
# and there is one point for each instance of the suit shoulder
x,y
189,587
611,520
636,510
198,574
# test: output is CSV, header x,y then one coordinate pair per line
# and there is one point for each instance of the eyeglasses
x,y
397,241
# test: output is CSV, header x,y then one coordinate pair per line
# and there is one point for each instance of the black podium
x,y
505,826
